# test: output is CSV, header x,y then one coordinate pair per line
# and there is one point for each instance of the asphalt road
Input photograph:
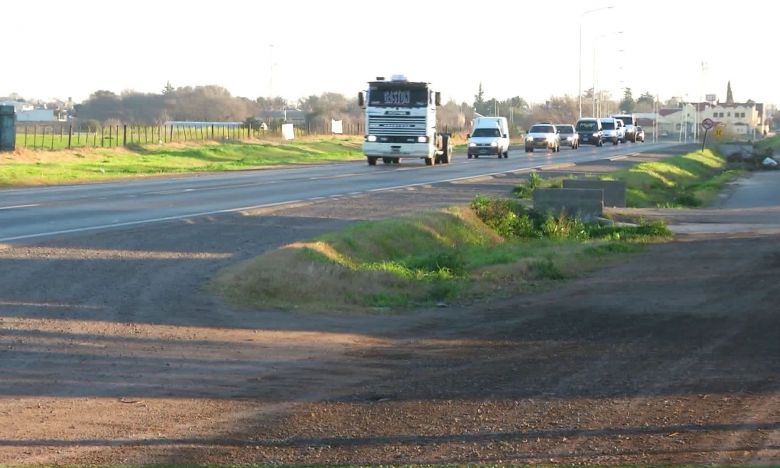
x,y
34,213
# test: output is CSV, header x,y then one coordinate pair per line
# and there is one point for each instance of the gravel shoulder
x,y
112,352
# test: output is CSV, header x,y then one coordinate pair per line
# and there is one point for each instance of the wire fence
x,y
68,136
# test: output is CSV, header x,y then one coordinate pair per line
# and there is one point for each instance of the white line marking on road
x,y
18,206
147,221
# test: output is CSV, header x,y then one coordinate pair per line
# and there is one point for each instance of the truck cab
x,y
630,122
401,122
490,136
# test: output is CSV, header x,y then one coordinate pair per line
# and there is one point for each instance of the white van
x,y
490,135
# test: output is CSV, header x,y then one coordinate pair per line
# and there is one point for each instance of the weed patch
x,y
490,248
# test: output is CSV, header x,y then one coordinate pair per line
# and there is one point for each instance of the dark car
x,y
590,131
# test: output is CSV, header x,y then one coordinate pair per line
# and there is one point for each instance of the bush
x,y
512,221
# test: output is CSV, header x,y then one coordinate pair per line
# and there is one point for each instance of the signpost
x,y
706,124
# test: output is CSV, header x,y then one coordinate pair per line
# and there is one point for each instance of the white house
x,y
740,118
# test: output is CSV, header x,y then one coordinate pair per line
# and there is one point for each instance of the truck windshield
x,y
486,132
397,95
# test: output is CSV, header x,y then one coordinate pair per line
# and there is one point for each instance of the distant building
x,y
293,116
740,118
39,115
19,106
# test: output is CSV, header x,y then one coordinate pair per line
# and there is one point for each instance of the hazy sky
x,y
64,48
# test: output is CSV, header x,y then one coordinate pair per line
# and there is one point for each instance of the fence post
x,y
171,138
70,134
124,135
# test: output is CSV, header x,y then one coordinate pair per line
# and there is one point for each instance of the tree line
x,y
216,104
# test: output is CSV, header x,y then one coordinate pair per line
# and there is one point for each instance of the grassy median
x,y
30,168
490,249
685,181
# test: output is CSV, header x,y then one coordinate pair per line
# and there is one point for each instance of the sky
x,y
295,49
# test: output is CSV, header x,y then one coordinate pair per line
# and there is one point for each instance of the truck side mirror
x,y
361,99
437,98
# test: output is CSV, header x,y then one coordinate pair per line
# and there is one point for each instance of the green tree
x,y
479,100
627,104
646,98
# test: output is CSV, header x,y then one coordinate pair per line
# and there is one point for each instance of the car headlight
x,y
493,143
596,134
569,138
472,145
371,138
422,139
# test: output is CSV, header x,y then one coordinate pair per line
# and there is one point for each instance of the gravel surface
x,y
113,352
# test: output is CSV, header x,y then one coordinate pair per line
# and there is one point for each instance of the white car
x,y
610,131
489,137
543,135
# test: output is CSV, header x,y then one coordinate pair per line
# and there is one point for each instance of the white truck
x,y
490,136
401,122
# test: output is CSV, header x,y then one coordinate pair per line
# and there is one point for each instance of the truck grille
x,y
396,125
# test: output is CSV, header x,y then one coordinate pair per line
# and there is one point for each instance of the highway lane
x,y
34,213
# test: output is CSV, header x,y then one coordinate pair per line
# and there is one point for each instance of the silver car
x,y
569,137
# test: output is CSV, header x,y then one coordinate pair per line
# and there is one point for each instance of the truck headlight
x,y
422,139
371,138
472,145
596,134
493,143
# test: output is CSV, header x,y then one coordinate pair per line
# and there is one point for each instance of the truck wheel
x,y
430,161
396,160
371,160
446,157
387,160
468,156
506,154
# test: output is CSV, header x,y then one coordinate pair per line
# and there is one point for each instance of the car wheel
x,y
371,160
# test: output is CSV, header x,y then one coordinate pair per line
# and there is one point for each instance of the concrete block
x,y
586,204
7,128
614,190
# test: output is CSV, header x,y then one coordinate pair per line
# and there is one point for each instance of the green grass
x,y
526,189
772,143
52,167
688,180
447,256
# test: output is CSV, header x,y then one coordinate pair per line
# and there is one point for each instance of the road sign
x,y
707,124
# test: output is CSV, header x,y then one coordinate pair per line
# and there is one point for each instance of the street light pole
x,y
582,15
597,109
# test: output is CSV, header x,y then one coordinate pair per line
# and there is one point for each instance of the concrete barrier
x,y
614,190
7,128
586,204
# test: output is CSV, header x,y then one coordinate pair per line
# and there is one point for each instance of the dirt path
x,y
111,352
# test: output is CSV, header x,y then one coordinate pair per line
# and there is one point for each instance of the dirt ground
x,y
113,353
